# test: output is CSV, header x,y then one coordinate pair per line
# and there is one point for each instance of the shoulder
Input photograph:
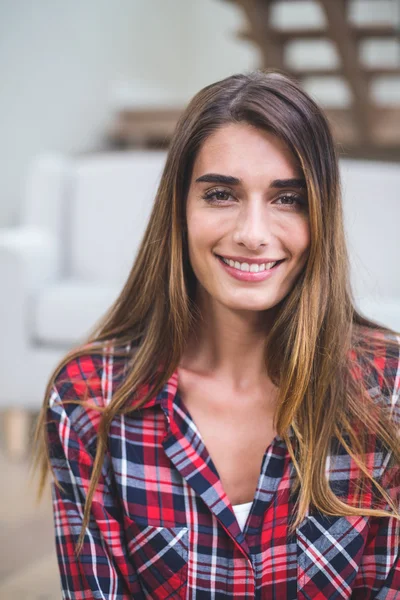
x,y
84,383
376,364
376,361
91,372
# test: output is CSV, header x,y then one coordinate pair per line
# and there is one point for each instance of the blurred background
x,y
90,94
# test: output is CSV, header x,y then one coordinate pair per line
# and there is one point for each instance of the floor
x,y
28,564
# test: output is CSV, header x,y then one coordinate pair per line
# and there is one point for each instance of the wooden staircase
x,y
363,127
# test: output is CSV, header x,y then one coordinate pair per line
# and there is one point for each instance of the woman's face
x,y
246,203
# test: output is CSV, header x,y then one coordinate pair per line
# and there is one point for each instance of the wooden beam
x,y
138,128
339,31
385,128
257,13
380,30
375,153
369,72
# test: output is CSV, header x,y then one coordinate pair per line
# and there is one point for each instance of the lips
x,y
251,265
250,261
248,275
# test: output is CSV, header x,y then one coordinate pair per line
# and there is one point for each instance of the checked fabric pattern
x,y
162,526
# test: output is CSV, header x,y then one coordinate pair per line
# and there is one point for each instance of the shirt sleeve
x,y
387,557
379,575
102,569
390,589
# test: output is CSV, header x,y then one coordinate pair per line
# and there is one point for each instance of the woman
x,y
230,428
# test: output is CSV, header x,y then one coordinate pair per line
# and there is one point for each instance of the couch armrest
x,y
29,254
29,258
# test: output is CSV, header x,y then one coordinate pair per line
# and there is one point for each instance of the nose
x,y
253,227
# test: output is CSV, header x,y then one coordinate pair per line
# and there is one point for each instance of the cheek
x,y
197,236
298,238
198,240
204,230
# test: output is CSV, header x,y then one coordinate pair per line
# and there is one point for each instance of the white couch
x,y
66,262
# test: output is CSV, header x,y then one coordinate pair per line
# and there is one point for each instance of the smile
x,y
249,271
251,267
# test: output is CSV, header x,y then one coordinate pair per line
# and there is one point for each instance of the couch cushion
x,y
62,314
109,205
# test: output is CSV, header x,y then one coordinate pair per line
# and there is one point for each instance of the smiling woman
x,y
256,216
231,427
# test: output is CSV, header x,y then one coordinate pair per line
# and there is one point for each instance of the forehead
x,y
241,148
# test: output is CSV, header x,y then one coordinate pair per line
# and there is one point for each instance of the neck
x,y
229,344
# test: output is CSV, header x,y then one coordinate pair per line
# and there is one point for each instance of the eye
x,y
291,200
217,196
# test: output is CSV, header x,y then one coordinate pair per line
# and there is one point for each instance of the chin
x,y
252,305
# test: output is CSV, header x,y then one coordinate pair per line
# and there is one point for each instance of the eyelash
x,y
210,197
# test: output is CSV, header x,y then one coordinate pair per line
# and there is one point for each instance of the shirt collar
x,y
166,396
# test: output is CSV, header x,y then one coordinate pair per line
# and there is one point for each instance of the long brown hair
x,y
317,338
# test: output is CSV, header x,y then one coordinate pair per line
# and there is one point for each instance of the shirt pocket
x,y
329,553
160,558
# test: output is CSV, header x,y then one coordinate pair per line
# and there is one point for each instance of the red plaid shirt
x,y
161,525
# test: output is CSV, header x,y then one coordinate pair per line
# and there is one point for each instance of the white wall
x,y
372,216
215,49
58,63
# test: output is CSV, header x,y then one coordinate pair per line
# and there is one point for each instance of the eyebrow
x,y
299,183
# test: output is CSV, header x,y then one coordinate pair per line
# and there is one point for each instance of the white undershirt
x,y
241,511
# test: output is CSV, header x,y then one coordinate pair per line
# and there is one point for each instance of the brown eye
x,y
217,196
287,199
291,201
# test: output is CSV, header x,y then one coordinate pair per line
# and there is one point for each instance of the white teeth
x,y
253,267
